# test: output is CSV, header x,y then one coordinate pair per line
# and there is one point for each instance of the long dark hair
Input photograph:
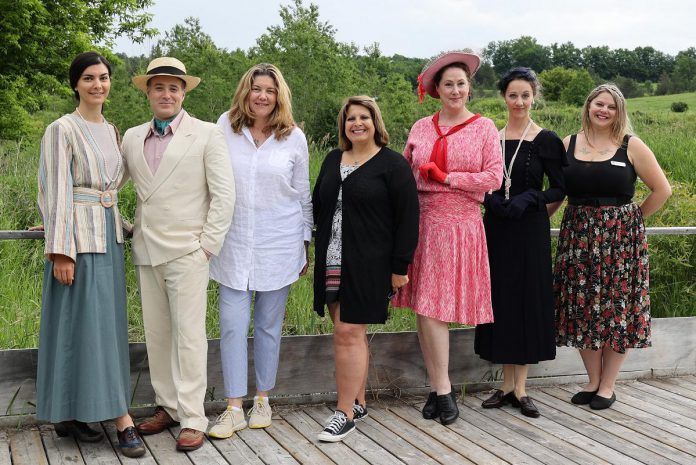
x,y
80,63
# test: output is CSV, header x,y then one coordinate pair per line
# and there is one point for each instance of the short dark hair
x,y
81,62
519,73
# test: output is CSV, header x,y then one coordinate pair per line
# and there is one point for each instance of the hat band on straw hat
x,y
166,70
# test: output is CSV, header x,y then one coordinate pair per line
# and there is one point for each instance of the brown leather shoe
x,y
189,439
157,422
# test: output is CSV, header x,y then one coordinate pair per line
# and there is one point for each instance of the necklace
x,y
113,141
507,170
358,161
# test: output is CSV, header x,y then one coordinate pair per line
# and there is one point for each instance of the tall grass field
x,y
673,258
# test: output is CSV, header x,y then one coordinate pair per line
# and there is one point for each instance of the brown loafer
x,y
157,422
498,399
189,439
528,408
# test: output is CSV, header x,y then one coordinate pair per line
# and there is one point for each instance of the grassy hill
x,y
662,102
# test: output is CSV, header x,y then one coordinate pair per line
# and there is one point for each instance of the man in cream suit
x,y
185,189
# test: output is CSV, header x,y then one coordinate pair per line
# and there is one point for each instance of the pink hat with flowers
x,y
426,79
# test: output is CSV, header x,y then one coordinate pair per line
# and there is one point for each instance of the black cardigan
x,y
379,235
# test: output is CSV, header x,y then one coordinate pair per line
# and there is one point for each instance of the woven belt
x,y
87,196
599,201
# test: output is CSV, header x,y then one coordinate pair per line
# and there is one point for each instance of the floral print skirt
x,y
601,279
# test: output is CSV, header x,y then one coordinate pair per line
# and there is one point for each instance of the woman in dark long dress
x,y
601,280
519,245
366,211
83,367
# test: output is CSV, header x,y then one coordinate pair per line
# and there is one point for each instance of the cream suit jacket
x,y
188,203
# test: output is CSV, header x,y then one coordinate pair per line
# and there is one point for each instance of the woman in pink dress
x,y
455,156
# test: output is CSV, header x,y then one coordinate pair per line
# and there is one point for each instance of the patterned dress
x,y
601,275
449,276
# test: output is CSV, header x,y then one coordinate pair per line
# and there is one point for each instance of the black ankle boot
x,y
430,411
447,405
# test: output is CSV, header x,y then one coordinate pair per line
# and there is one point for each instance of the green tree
x,y
566,55
320,71
553,81
524,51
576,90
39,38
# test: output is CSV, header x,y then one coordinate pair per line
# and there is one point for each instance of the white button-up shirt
x,y
264,247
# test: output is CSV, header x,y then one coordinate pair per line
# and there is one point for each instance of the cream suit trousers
x,y
174,301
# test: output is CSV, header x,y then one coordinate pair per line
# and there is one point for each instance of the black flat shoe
x,y
447,405
600,403
430,411
498,399
79,430
583,397
130,443
528,408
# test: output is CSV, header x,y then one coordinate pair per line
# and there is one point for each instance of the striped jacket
x,y
70,159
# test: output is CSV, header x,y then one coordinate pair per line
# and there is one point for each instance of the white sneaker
x,y
337,428
260,414
227,423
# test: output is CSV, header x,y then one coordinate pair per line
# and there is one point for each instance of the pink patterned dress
x,y
449,278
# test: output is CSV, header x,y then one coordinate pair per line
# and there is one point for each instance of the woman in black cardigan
x,y
366,212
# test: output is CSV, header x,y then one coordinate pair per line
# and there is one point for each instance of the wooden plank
x,y
628,440
558,429
418,439
673,388
207,454
98,453
556,411
538,430
507,435
646,396
338,452
657,428
462,445
110,431
300,448
396,445
5,458
268,450
236,451
361,444
662,394
682,381
27,448
60,451
486,440
684,426
163,448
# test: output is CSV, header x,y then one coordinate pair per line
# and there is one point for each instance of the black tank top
x,y
613,178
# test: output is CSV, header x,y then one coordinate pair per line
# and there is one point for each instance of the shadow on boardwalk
x,y
652,422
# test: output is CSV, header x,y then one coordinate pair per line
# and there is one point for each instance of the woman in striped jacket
x,y
83,368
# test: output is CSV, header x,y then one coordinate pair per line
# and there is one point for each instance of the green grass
x,y
662,103
673,259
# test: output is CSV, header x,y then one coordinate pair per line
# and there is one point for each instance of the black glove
x,y
494,204
516,206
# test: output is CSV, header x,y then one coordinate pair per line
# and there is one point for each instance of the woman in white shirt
x,y
265,250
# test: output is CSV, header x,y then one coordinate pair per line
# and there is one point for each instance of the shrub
x,y
679,107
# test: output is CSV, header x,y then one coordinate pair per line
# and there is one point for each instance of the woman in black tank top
x,y
601,270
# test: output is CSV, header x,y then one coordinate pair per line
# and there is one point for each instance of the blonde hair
x,y
280,121
381,134
621,125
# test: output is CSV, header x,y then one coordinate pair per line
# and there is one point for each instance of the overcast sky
x,y
424,28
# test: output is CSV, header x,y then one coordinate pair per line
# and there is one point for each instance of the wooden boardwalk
x,y
653,422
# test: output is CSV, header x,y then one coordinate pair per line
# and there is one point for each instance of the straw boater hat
x,y
165,66
426,79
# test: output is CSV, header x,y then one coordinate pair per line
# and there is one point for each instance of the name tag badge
x,y
618,163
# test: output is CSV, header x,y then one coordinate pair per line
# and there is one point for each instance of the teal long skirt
x,y
84,366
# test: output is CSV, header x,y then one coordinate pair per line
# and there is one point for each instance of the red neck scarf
x,y
439,153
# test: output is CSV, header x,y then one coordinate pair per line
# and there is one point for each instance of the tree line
x,y
38,39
